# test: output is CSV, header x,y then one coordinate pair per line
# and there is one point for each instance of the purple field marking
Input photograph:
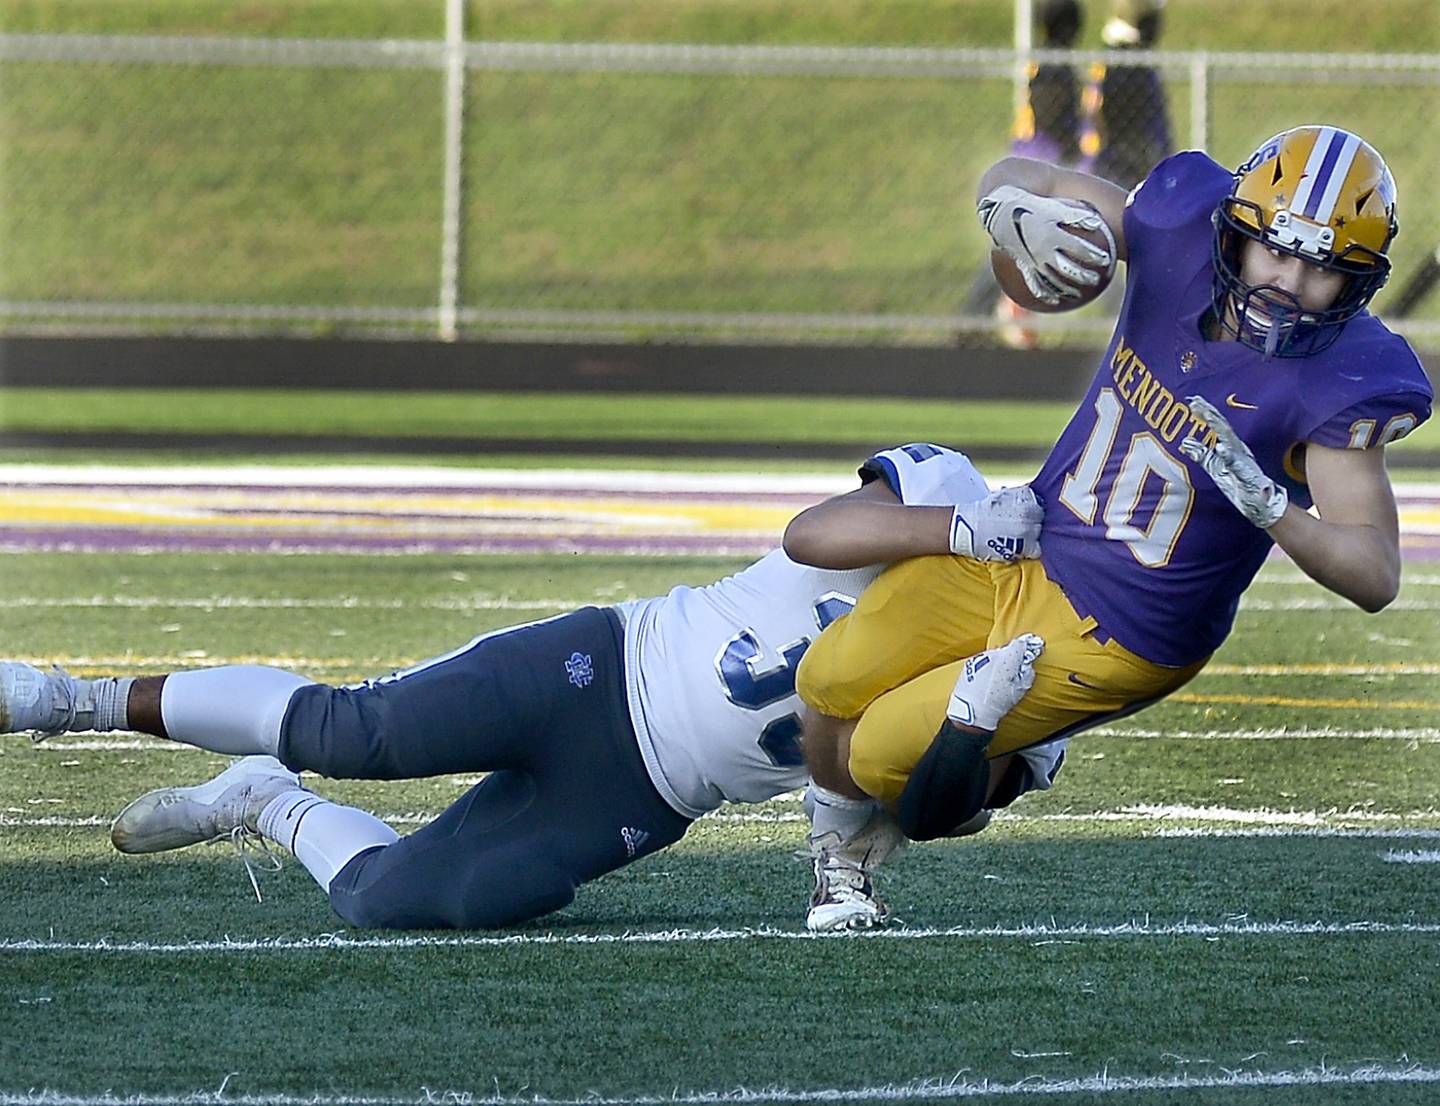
x,y
88,538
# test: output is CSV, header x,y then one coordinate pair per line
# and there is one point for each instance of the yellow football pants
x,y
893,661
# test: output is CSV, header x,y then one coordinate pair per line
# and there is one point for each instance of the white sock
x,y
833,813
324,836
101,704
235,710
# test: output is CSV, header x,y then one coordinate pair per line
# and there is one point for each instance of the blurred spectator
x,y
1047,127
1126,128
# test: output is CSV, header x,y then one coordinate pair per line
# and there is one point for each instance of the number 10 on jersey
x,y
1153,543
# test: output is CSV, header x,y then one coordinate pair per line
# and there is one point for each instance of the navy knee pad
x,y
947,786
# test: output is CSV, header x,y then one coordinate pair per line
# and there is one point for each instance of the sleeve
x,y
925,475
1374,421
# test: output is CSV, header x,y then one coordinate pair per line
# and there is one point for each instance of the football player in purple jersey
x,y
1245,400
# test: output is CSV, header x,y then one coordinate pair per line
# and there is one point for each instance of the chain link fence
x,y
249,185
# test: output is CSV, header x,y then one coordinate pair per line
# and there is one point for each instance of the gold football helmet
x,y
1318,193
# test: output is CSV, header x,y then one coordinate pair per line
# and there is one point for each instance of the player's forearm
x,y
1360,563
1038,177
850,533
1041,178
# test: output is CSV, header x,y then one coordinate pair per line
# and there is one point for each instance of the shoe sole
x,y
850,922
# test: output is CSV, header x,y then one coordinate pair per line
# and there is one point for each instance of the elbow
x,y
1379,592
1376,600
802,542
1027,173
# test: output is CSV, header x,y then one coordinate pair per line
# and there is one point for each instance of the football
x,y
1013,284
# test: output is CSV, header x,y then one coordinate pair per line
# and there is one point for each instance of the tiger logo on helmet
x,y
1318,193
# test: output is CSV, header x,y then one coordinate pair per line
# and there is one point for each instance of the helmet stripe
x,y
1334,167
1312,168
1336,184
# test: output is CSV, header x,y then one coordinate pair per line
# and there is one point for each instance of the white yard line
x,y
1263,816
417,476
501,603
1040,933
1157,821
957,1087
1418,734
1396,668
353,603
1323,603
1411,856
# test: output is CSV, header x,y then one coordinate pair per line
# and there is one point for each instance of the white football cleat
x,y
43,703
226,807
844,898
844,895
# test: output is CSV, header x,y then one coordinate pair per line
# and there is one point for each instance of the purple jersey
x,y
1139,537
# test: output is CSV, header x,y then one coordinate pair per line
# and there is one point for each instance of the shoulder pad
x,y
1184,188
925,475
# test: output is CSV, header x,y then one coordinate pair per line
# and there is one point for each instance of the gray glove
x,y
1004,526
1031,229
1234,469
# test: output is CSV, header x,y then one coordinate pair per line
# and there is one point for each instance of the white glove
x,y
1004,526
1031,229
992,682
1234,469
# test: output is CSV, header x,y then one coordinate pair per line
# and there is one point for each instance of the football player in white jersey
x,y
605,733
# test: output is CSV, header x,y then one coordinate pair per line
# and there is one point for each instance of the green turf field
x,y
556,417
547,416
1217,890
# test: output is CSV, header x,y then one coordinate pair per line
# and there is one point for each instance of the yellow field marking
x,y
1396,668
363,511
360,512
1314,704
